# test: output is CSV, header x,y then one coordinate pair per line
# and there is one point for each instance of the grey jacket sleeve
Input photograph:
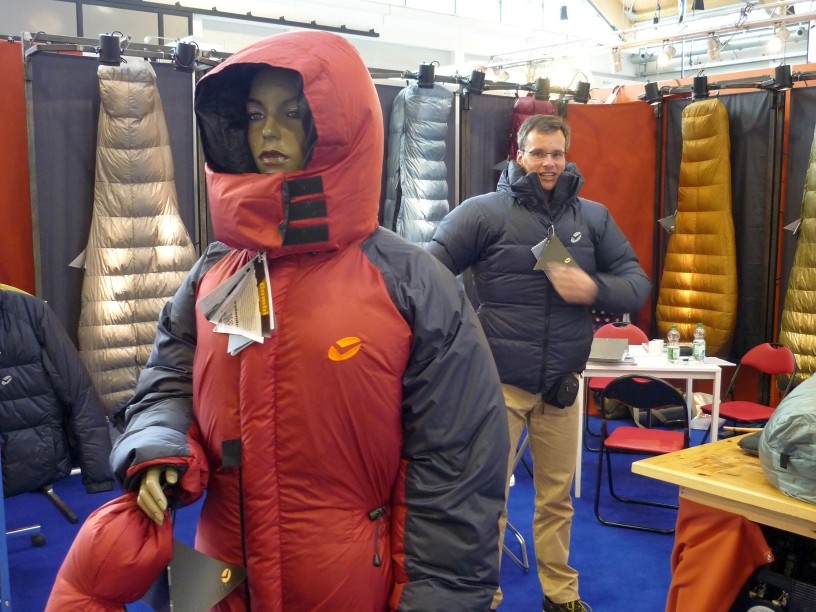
x,y
455,443
160,413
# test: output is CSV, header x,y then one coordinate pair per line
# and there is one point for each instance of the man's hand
x,y
572,283
151,498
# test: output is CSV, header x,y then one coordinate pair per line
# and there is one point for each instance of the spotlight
x,y
582,92
713,46
617,65
782,78
109,54
184,57
531,72
656,17
666,55
542,89
564,15
653,96
699,88
476,83
779,38
698,5
426,76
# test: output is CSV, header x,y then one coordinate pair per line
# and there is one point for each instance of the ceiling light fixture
x,y
666,55
564,15
698,5
617,64
713,47
778,39
656,18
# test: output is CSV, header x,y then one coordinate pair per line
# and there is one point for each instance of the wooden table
x,y
641,362
722,476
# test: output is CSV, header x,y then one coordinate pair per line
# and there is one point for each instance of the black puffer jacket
x,y
49,410
535,335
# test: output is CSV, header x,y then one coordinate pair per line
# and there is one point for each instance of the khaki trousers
x,y
553,435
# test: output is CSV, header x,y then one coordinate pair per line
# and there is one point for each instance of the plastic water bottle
x,y
698,346
673,345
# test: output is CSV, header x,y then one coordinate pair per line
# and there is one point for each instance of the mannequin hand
x,y
151,498
572,283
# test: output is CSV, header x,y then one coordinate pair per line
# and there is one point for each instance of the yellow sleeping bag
x,y
798,331
699,281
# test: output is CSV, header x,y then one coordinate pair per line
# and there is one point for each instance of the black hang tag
x,y
231,453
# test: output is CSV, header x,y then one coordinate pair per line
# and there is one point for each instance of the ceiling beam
x,y
612,12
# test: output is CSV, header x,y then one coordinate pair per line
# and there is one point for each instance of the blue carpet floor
x,y
620,569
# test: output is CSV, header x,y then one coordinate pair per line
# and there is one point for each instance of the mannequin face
x,y
275,133
545,154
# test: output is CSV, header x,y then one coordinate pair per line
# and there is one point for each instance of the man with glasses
x,y
542,258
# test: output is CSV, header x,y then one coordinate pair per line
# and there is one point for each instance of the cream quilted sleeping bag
x,y
699,281
798,331
138,250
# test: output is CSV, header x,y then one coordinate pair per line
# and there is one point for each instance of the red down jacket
x,y
371,425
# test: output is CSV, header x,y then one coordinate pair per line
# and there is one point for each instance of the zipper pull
x,y
376,515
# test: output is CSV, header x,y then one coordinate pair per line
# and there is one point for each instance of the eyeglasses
x,y
539,155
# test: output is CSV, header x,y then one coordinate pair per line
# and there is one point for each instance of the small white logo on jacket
x,y
575,237
6,380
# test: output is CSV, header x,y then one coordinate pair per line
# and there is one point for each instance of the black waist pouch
x,y
562,392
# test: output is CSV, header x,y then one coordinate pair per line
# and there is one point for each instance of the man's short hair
x,y
543,123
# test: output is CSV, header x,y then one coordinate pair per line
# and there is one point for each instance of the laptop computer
x,y
609,350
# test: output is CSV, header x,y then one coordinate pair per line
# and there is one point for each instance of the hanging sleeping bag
x,y
699,281
138,250
416,192
798,326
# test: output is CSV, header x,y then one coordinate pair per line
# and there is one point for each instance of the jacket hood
x,y
527,189
334,200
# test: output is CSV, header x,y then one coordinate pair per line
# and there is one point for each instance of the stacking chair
x,y
624,330
660,425
770,359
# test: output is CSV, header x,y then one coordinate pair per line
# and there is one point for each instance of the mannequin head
x,y
275,111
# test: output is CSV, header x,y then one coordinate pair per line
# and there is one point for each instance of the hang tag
x,y
554,252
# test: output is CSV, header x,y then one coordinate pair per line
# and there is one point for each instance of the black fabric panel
x,y
485,141
65,102
386,94
750,125
801,128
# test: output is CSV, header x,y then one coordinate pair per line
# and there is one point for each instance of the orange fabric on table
x,y
714,554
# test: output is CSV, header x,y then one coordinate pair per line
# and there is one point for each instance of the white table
x,y
649,365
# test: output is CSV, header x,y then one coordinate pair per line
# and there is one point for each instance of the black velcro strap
x,y
231,453
305,186
311,209
306,235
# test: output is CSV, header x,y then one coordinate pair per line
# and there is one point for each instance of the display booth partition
x,y
16,263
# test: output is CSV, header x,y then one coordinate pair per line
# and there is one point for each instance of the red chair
x,y
624,330
771,359
660,425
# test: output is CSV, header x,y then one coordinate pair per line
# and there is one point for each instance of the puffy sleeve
x,y
455,448
160,427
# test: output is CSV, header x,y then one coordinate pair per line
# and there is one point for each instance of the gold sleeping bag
x,y
699,281
798,330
